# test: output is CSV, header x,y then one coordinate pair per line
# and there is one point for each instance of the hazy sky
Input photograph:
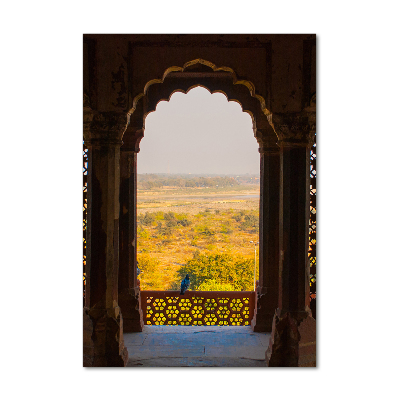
x,y
198,133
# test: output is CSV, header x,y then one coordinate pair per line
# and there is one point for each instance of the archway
x,y
221,80
193,195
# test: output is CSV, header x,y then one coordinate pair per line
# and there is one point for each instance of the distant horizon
x,y
196,174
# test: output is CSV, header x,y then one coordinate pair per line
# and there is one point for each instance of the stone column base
x,y
264,312
129,302
262,322
293,342
103,341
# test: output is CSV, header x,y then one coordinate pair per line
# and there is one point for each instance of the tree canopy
x,y
218,271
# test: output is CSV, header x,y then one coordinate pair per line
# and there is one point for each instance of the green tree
x,y
237,217
170,216
184,222
212,284
250,222
163,230
148,219
223,268
204,230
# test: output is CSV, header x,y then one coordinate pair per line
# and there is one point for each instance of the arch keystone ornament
x,y
293,335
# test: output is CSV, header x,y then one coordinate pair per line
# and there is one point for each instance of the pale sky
x,y
198,133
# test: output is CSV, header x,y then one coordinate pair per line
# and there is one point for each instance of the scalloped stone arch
x,y
252,116
235,81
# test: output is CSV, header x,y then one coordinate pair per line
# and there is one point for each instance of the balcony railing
x,y
197,308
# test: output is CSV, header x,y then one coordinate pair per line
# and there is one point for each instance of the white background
x,y
41,199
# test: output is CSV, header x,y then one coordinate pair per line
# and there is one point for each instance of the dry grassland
x,y
216,220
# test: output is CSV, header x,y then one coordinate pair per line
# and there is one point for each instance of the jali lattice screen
x,y
85,171
313,228
197,308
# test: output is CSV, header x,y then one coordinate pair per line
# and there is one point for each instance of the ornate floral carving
x,y
106,127
294,128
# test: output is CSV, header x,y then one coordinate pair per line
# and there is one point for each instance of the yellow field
x,y
199,219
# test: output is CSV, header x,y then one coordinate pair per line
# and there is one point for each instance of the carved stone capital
x,y
267,140
104,128
294,129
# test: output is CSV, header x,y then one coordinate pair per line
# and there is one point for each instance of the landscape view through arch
x,y
198,195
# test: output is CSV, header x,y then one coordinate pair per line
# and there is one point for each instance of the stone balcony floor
x,y
196,346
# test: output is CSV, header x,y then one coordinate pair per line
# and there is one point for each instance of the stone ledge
x,y
196,362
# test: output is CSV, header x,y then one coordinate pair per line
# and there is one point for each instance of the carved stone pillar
x,y
267,290
129,291
103,324
294,330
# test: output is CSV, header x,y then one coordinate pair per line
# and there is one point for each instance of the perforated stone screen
x,y
197,308
313,226
85,172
